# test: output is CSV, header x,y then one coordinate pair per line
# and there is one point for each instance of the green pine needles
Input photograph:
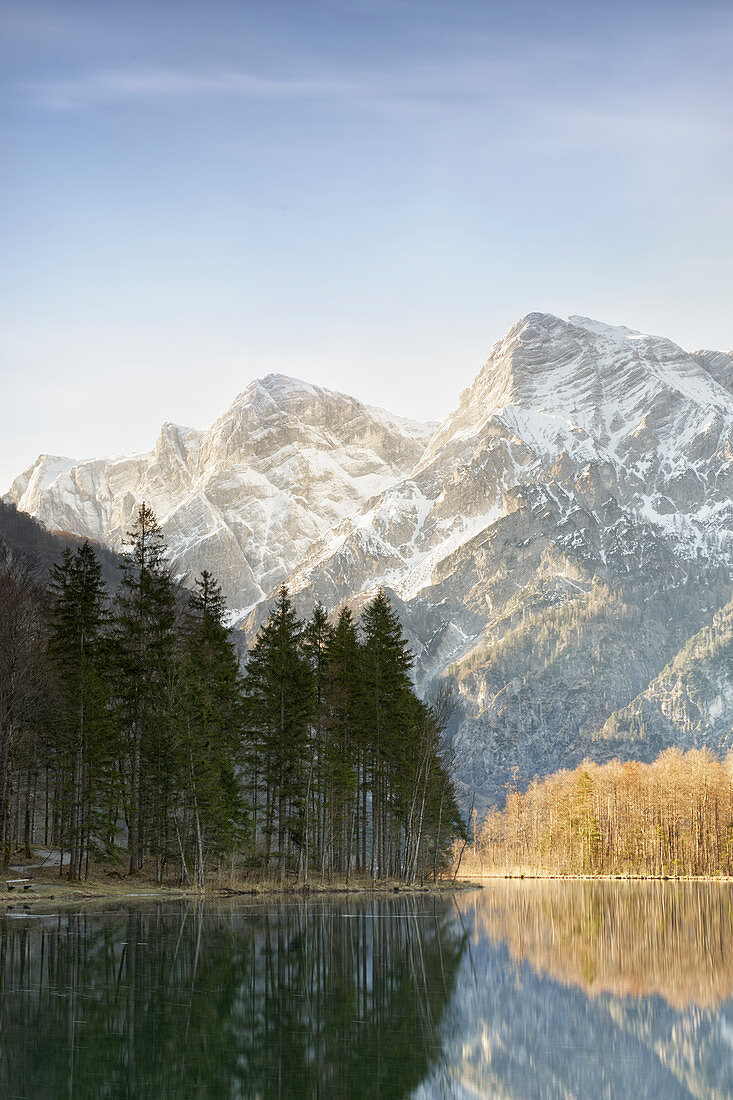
x,y
137,733
347,770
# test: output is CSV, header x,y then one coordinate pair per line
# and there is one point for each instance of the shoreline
x,y
59,893
540,876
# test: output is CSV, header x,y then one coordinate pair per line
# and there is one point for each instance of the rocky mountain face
x,y
552,546
565,417
568,528
689,705
719,364
244,498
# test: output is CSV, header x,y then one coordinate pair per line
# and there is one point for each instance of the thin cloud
x,y
110,86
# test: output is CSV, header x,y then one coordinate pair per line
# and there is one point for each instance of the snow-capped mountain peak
x,y
245,497
570,523
586,463
549,377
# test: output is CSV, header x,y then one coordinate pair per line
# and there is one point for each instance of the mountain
x,y
23,537
567,529
719,364
552,546
244,498
690,703
564,415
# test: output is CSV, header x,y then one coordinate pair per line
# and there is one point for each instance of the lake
x,y
523,989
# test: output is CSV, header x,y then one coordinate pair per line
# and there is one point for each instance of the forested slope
x,y
26,537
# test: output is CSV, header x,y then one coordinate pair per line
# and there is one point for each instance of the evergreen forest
x,y
133,737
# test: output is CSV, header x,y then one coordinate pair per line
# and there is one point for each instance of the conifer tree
x,y
388,700
145,653
84,754
317,636
278,688
212,718
344,744
24,680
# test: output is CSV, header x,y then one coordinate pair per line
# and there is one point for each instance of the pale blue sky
x,y
363,193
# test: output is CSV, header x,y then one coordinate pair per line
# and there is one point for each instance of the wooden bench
x,y
12,883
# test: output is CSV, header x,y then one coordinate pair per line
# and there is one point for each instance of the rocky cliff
x,y
690,703
552,546
568,528
244,498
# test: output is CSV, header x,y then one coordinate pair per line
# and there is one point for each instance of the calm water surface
x,y
521,990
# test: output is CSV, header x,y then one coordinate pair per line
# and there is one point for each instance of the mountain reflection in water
x,y
523,990
592,989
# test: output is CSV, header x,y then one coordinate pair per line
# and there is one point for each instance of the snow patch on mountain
x,y
593,413
584,458
246,497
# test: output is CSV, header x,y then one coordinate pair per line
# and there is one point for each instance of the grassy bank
x,y
47,885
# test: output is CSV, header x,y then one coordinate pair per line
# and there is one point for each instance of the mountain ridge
x,y
583,459
244,497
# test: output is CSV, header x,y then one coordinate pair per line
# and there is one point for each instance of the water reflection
x,y
670,939
523,991
320,1000
576,990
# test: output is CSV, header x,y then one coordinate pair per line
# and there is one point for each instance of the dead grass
x,y
105,885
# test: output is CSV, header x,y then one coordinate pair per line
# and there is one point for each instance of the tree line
x,y
673,817
128,724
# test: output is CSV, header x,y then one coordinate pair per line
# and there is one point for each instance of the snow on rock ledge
x,y
247,496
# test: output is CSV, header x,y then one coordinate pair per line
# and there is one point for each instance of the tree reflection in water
x,y
555,990
224,1000
577,989
637,938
